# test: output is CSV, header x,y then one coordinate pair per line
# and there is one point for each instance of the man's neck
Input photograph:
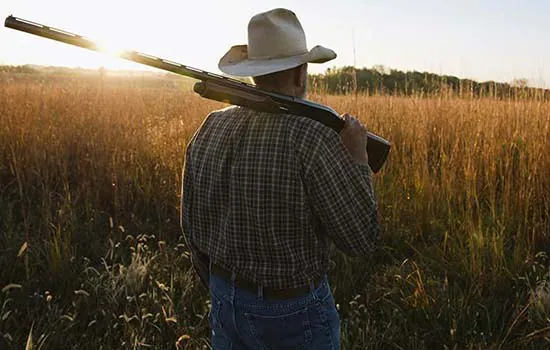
x,y
290,91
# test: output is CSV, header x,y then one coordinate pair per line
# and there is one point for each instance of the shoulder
x,y
301,128
213,119
311,128
312,140
227,110
209,122
224,112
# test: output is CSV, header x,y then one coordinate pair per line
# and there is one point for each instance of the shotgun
x,y
216,87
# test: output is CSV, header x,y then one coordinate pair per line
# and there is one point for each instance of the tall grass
x,y
92,255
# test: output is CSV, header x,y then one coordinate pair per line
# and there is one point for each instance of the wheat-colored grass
x,y
90,173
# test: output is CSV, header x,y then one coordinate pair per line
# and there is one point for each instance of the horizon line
x,y
155,71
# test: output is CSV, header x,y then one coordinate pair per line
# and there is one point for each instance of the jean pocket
x,y
283,331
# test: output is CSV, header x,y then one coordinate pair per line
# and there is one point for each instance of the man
x,y
264,195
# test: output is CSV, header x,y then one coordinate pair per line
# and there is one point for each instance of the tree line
x,y
377,80
382,80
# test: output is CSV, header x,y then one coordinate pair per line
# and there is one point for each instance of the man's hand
x,y
354,137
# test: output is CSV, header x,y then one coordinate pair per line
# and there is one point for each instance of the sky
x,y
476,39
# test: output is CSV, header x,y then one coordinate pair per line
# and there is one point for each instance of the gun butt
x,y
378,150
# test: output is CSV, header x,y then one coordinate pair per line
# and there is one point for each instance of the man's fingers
x,y
353,124
349,118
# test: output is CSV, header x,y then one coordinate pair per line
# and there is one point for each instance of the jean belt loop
x,y
232,288
312,289
260,291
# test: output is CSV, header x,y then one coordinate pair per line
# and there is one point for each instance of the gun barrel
x,y
135,56
50,33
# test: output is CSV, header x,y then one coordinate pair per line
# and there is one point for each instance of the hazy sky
x,y
484,39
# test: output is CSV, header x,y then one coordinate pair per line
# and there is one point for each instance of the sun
x,y
111,50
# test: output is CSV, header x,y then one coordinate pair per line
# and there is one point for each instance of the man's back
x,y
265,193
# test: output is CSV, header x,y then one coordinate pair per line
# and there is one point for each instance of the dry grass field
x,y
91,254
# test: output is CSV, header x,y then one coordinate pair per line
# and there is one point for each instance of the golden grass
x,y
90,175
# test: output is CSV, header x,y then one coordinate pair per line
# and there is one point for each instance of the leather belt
x,y
268,293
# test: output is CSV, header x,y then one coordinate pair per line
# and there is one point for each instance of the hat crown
x,y
276,33
276,42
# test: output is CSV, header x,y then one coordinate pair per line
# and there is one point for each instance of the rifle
x,y
216,87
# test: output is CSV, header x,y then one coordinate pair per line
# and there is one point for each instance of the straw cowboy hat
x,y
276,42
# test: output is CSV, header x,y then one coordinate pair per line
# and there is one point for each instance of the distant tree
x,y
380,69
519,83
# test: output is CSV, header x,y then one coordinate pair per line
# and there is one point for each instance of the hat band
x,y
275,57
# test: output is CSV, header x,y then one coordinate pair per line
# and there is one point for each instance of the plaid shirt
x,y
265,194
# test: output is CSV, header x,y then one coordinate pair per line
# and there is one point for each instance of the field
x,y
91,254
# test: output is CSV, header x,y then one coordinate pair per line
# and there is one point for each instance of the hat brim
x,y
236,62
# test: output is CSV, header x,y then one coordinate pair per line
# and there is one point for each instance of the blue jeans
x,y
244,320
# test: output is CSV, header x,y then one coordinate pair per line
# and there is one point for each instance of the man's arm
x,y
339,182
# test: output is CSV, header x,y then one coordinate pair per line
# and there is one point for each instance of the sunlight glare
x,y
111,49
111,44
